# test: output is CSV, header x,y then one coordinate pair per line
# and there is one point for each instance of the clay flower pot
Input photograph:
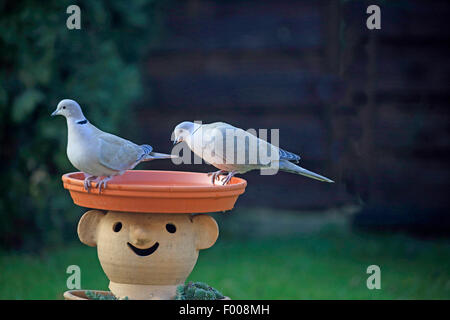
x,y
143,226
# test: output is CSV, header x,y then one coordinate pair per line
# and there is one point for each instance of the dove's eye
x,y
117,226
171,228
64,107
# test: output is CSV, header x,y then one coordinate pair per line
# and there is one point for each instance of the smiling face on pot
x,y
147,248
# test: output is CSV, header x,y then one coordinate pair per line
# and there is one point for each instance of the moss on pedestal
x,y
197,291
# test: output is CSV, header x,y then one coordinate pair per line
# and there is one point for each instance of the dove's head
x,y
69,109
184,130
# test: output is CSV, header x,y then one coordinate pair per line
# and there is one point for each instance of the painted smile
x,y
144,252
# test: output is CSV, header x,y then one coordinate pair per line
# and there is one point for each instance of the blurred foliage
x,y
42,63
92,295
329,262
197,291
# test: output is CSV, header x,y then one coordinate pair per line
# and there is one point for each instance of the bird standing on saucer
x,y
202,140
99,155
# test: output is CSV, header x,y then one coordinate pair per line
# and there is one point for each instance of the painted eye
x,y
171,228
117,226
64,107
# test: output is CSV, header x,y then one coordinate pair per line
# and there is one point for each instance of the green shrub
x,y
42,63
197,291
91,295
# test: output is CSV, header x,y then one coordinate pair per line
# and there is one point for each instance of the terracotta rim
x,y
157,191
235,183
81,294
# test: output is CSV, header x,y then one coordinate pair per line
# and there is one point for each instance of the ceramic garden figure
x,y
148,227
147,255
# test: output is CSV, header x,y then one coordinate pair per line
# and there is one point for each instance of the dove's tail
x,y
156,155
150,155
292,168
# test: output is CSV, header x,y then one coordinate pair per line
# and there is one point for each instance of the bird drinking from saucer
x,y
99,155
211,142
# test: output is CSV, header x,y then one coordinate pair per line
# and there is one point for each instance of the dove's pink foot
x,y
87,181
215,175
101,184
228,177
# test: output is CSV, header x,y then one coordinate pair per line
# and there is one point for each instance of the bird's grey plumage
x,y
202,139
289,156
97,153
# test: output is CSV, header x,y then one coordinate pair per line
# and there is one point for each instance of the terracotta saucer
x,y
151,191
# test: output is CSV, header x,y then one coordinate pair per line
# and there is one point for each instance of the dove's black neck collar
x,y
198,127
82,121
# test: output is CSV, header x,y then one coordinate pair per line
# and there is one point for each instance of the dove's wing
x,y
212,134
286,155
247,151
117,153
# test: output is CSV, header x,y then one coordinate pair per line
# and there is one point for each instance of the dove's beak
x,y
176,141
55,113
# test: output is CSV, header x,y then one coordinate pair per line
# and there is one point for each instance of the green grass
x,y
329,263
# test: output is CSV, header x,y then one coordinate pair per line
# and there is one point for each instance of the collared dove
x,y
203,141
96,153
